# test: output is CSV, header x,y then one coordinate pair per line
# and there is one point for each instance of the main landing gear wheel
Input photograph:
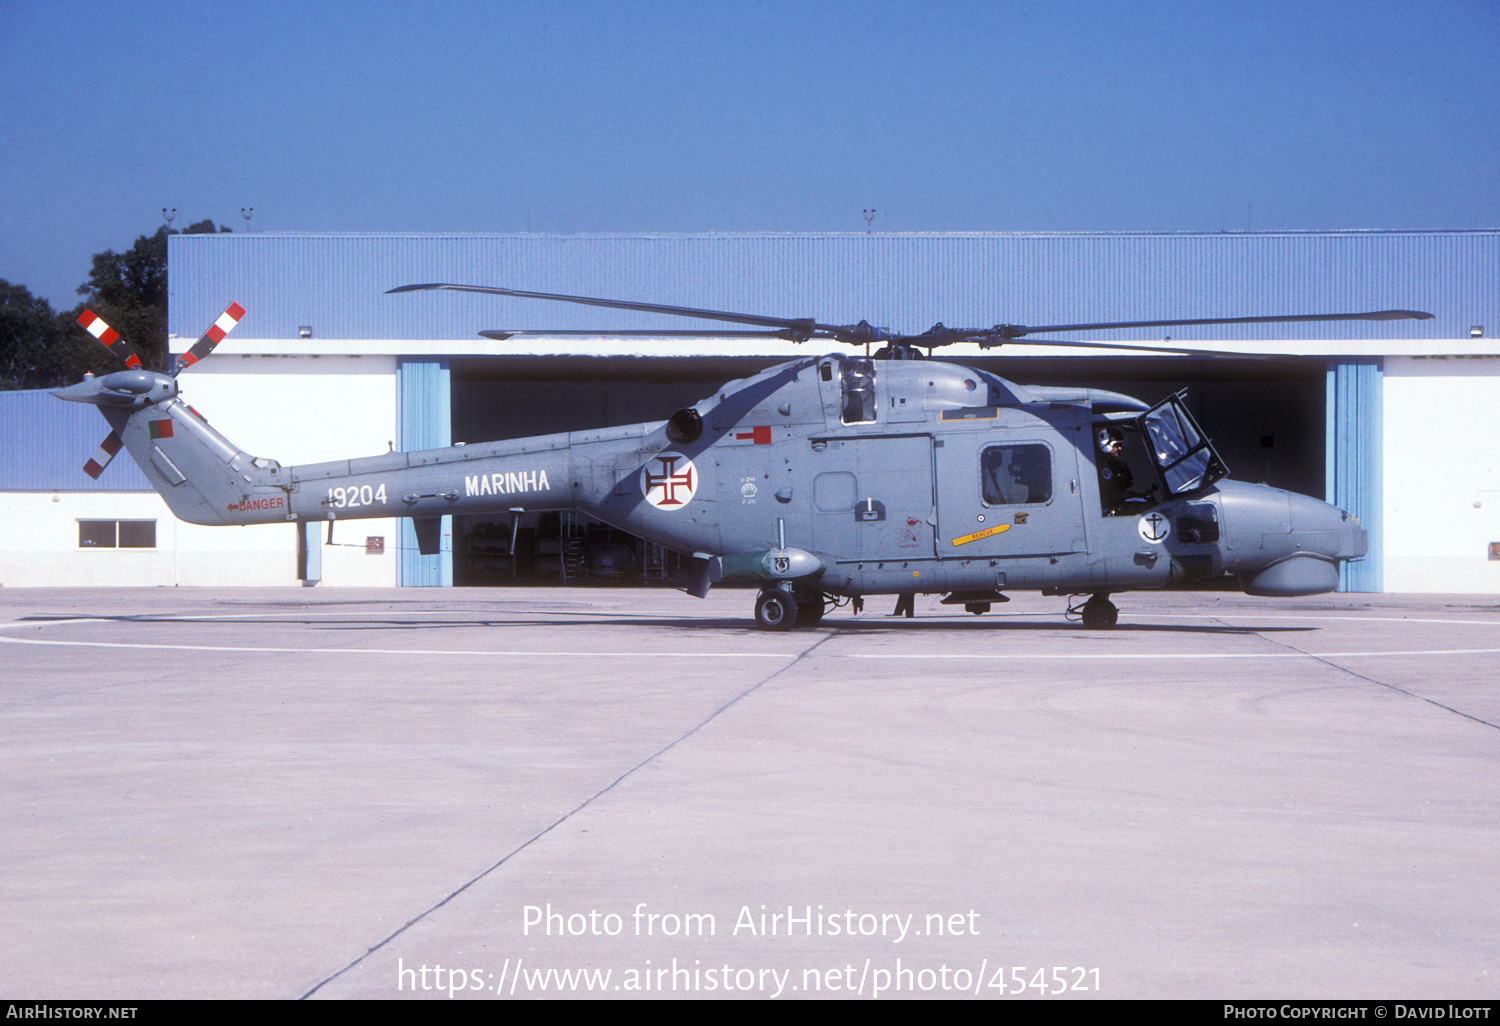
x,y
775,610
810,611
1099,613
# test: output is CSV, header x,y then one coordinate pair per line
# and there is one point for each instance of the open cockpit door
x,y
1184,459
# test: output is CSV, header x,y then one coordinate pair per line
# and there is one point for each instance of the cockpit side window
x,y
858,381
1016,475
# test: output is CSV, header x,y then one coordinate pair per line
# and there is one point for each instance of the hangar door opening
x,y
1266,418
500,398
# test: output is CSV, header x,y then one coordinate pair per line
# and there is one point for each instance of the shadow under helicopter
x,y
876,624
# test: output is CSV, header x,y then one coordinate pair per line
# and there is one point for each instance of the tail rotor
x,y
136,386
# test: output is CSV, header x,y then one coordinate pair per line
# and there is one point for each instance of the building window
x,y
117,534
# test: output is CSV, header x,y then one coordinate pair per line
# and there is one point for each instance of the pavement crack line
x,y
1326,661
590,800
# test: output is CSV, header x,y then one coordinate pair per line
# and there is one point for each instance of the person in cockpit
x,y
1115,478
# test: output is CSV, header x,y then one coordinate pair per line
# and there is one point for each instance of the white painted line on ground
x,y
1011,655
572,653
1340,619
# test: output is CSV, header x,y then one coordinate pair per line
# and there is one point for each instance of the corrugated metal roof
x,y
47,442
336,283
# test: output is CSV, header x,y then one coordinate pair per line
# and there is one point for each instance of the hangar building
x,y
1391,420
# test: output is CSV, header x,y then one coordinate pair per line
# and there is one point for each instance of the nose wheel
x,y
1098,613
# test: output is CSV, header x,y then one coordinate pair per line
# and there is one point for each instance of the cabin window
x,y
835,492
1016,475
1198,523
858,379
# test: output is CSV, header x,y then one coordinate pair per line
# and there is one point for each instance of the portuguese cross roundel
x,y
668,480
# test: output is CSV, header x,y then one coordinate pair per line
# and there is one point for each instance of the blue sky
x,y
1063,115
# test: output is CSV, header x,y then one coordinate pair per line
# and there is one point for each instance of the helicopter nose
x,y
1320,528
1285,544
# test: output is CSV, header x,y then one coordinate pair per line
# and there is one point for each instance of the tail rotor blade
x,y
110,339
212,337
106,452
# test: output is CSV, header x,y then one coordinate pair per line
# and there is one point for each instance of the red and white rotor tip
x,y
109,338
212,337
106,452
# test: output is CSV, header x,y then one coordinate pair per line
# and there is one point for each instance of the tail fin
x,y
204,478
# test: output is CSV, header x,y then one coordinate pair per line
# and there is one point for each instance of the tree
x,y
129,290
204,227
39,348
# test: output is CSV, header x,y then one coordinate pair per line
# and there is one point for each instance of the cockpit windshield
x,y
1184,458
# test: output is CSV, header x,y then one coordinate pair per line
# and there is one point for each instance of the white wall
x,y
293,409
304,409
1442,473
298,409
39,543
39,547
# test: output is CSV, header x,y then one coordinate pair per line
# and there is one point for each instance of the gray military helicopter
x,y
820,480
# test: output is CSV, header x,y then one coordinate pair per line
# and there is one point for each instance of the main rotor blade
x,y
1139,347
794,324
501,335
1016,330
800,329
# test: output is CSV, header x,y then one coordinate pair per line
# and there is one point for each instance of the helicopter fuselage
x,y
824,476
